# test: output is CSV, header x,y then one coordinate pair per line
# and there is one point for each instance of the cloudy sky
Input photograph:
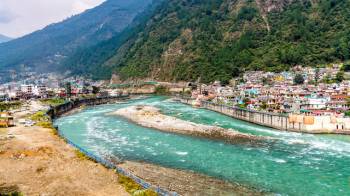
x,y
20,17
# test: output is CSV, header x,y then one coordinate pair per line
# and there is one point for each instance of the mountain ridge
x,y
4,38
45,49
174,40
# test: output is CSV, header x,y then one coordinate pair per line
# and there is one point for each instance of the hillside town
x,y
317,91
282,93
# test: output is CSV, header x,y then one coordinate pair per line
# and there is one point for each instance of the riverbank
x,y
35,161
182,182
186,182
291,166
151,117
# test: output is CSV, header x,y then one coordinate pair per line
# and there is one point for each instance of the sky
x,y
20,17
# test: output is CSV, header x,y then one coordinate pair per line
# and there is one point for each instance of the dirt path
x,y
36,162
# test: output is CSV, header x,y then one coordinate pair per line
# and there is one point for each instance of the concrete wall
x,y
59,110
321,124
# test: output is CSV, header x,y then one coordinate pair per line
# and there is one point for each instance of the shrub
x,y
5,106
247,13
39,116
146,192
81,155
133,188
161,90
53,102
299,79
45,124
347,113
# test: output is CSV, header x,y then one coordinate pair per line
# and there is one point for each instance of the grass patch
x,y
45,124
53,102
161,90
133,188
82,156
40,117
42,120
6,106
10,191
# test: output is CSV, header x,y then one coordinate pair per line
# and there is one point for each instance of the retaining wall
x,y
321,124
57,111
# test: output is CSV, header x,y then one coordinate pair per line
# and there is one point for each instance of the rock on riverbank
x,y
187,182
151,117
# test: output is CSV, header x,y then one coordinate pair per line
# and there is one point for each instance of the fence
x,y
61,109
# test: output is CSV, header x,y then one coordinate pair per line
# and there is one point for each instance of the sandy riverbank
x,y
151,117
34,161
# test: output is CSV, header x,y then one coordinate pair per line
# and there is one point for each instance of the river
x,y
294,164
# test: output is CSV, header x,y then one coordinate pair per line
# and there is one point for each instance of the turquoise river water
x,y
295,164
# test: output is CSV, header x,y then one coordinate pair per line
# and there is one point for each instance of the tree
x,y
68,88
265,81
346,67
317,75
264,105
95,90
327,79
339,77
85,89
299,79
347,113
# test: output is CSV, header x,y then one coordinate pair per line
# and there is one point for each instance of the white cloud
x,y
20,17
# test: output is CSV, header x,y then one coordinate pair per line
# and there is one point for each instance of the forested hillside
x,y
187,39
217,39
44,50
90,61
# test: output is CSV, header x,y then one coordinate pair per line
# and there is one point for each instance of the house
x,y
6,120
27,89
339,102
40,91
314,102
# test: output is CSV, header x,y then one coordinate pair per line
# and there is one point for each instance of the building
x,y
27,89
40,91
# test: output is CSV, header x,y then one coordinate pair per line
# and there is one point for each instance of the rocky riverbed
x,y
152,117
187,182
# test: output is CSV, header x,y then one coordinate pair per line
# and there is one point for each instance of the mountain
x,y
89,61
44,50
218,39
4,38
176,40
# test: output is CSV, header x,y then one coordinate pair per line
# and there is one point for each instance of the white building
x,y
316,103
40,91
27,89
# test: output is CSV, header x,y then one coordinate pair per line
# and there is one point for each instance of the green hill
x,y
218,39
